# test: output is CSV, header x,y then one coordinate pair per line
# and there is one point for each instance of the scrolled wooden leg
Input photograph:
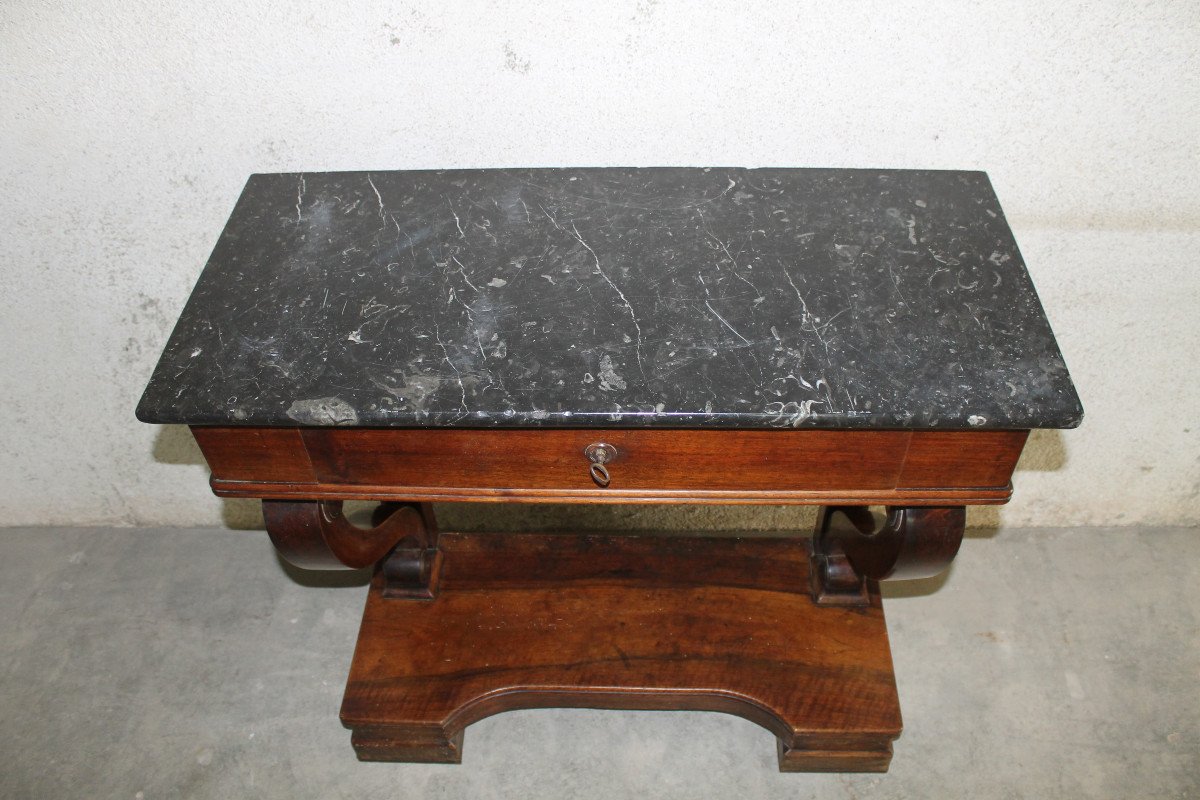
x,y
314,534
412,569
849,550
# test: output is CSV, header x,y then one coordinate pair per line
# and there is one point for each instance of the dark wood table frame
x,y
787,633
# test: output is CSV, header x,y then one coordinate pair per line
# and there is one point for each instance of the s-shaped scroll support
x,y
314,534
849,550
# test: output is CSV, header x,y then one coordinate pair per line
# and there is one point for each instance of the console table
x,y
841,338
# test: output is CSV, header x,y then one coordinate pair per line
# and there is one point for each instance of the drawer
x,y
643,459
550,465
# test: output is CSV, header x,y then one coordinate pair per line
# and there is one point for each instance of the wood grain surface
x,y
532,621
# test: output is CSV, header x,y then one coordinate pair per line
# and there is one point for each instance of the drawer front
x,y
670,466
643,459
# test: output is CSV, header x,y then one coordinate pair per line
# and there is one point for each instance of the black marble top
x,y
756,298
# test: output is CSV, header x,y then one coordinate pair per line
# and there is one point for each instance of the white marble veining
x,y
616,297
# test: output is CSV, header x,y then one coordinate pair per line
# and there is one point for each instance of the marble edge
x,y
626,420
619,168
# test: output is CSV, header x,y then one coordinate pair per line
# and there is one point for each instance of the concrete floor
x,y
190,663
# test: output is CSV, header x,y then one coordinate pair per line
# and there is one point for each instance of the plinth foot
x,y
834,759
429,745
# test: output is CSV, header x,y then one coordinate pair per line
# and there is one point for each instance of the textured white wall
x,y
127,129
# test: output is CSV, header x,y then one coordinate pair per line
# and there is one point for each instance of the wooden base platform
x,y
534,621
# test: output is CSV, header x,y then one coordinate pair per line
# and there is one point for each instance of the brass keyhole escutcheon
x,y
600,454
